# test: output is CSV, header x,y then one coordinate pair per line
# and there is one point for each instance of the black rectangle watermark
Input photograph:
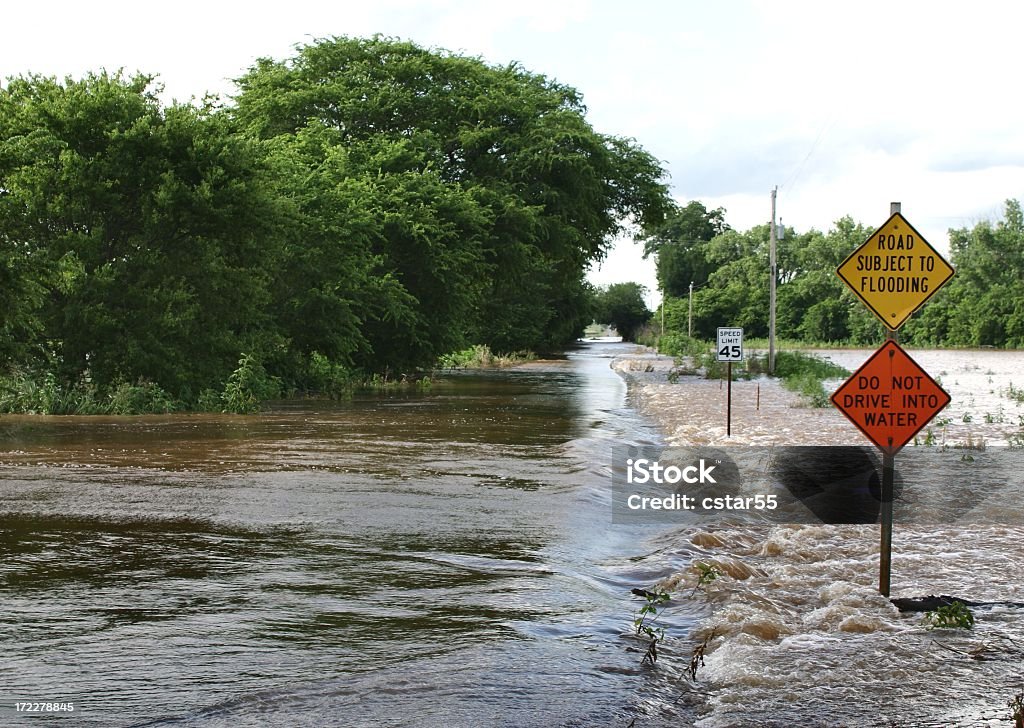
x,y
810,484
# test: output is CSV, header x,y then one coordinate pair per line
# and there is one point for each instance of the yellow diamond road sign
x,y
895,271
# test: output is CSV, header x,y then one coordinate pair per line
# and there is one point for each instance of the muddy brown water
x,y
448,558
419,559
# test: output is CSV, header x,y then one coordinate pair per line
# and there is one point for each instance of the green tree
x,y
550,193
381,271
622,305
813,303
736,293
983,305
148,232
680,245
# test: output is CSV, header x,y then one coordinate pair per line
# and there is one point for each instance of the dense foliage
x,y
364,207
494,193
983,305
680,243
621,306
136,242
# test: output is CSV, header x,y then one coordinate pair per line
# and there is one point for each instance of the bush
x,y
248,386
41,394
794,363
209,401
329,378
680,345
143,397
805,374
481,357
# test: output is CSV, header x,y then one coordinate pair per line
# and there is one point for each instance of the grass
x,y
798,344
480,356
26,392
806,375
40,393
799,372
245,390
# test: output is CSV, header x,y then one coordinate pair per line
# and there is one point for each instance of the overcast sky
x,y
844,106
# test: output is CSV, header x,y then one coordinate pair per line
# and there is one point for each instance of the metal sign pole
x,y
888,476
728,348
728,399
885,547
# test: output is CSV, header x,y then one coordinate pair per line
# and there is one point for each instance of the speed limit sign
x,y
729,346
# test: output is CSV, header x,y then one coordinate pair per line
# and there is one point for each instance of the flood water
x,y
799,635
449,558
412,559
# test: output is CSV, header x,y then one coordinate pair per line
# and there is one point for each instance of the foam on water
x,y
803,637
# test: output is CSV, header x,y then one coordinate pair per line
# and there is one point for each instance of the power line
x,y
829,121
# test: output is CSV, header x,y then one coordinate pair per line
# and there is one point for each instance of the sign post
x,y
885,543
729,348
888,489
890,398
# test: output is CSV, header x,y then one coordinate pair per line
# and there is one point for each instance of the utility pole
x,y
773,269
689,317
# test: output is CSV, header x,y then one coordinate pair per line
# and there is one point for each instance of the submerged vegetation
x,y
41,393
806,375
800,372
645,618
955,615
1016,705
655,603
481,357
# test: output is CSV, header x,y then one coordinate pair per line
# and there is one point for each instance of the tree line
x,y
983,305
361,208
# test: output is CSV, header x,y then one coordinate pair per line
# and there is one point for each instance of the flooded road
x,y
450,558
412,559
801,635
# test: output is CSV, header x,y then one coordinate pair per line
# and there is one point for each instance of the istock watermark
x,y
643,470
827,484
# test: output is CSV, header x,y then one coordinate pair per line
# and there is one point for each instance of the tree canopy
x,y
367,202
622,306
525,194
139,241
983,305
679,245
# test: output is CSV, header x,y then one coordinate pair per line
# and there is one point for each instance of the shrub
x,y
330,378
248,386
955,615
480,356
142,397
